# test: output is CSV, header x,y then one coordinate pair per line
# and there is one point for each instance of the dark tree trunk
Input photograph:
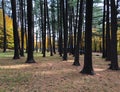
x,y
95,45
4,27
60,29
36,41
77,49
71,11
58,21
15,30
76,26
100,46
108,52
103,34
65,25
42,22
44,29
22,30
53,24
33,29
88,68
48,21
114,58
30,57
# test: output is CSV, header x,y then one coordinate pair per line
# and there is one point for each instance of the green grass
x,y
6,54
11,54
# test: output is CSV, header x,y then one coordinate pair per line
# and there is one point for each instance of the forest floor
x,y
51,74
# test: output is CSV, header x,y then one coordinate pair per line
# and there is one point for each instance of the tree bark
x,y
61,29
76,26
15,30
53,24
114,58
65,24
42,22
77,49
108,48
30,57
88,68
4,27
22,30
103,34
48,22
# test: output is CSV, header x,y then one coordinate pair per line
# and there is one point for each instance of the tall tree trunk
x,y
103,32
30,57
15,30
48,21
95,45
58,22
37,40
44,29
77,49
65,24
88,68
114,58
22,30
70,45
42,21
4,27
108,52
60,29
53,23
76,25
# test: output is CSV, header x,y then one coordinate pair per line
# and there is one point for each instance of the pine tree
x,y
30,57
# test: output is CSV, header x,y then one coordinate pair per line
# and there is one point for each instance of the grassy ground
x,y
51,74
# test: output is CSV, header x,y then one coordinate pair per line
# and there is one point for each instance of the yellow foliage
x,y
9,30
